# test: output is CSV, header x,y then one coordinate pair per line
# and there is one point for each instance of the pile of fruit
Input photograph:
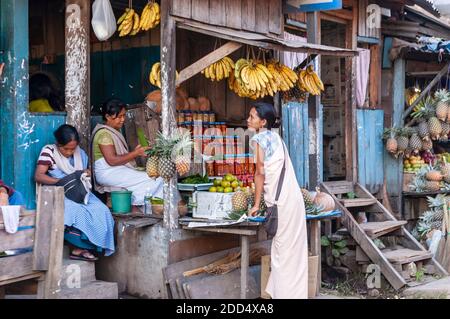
x,y
228,184
130,23
432,178
155,74
169,155
195,179
433,117
432,218
413,164
243,200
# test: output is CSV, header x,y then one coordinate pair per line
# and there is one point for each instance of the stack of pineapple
x,y
433,115
244,199
432,178
432,218
310,207
168,155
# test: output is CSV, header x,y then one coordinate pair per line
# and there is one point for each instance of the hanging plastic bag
x,y
103,19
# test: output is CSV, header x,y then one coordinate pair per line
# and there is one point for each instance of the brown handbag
x,y
271,222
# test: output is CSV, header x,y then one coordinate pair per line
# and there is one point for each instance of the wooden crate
x,y
313,268
407,179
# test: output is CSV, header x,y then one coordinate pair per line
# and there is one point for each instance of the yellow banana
x,y
123,16
318,81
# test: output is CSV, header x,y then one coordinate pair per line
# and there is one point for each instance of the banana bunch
x,y
219,70
150,16
283,77
309,81
155,75
129,23
253,75
411,94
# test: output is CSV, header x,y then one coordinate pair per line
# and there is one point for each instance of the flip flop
x,y
82,256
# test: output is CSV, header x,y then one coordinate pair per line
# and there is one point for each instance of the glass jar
x,y
188,116
218,146
219,167
180,116
210,168
198,143
238,167
229,164
205,117
250,165
212,116
198,127
223,127
189,126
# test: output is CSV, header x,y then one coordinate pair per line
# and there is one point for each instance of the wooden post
x,y
51,204
316,249
393,168
168,67
244,265
77,67
375,76
315,147
16,130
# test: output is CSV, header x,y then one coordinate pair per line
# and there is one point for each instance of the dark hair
x,y
266,112
65,134
112,107
41,87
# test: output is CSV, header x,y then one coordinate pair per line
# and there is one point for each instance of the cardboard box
x,y
212,205
313,268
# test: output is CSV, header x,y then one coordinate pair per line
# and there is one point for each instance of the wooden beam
x,y
425,92
207,60
168,102
77,67
343,14
375,76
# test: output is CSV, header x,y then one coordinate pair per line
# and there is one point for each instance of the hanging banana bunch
x,y
411,94
150,17
129,22
309,81
219,70
155,75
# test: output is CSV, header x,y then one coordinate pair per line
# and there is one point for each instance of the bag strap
x,y
283,171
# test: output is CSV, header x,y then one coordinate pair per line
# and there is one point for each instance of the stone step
x,y
73,268
92,290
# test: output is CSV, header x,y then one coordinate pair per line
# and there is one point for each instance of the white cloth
x,y
362,75
122,177
293,59
11,218
289,254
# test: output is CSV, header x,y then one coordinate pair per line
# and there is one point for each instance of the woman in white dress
x,y
289,252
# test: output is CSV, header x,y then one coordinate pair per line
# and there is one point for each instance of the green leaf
x,y
341,243
343,251
335,253
324,241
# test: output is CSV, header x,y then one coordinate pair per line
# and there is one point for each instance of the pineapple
x,y
423,131
152,167
415,143
427,145
166,166
239,201
434,176
447,179
442,98
181,153
391,142
432,186
402,141
445,128
306,197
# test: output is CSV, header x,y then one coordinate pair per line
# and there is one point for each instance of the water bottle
x,y
148,203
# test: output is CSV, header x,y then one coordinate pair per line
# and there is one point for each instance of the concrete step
x,y
438,289
92,290
77,270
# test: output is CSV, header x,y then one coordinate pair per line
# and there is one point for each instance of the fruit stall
x,y
419,140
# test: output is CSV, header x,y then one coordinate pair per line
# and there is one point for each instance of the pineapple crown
x,y
183,143
436,202
392,132
425,108
442,95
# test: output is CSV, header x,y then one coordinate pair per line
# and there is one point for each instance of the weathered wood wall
x,y
263,16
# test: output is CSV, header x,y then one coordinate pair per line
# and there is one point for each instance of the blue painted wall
x,y
296,136
370,124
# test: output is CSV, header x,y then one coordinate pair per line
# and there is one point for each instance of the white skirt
x,y
135,181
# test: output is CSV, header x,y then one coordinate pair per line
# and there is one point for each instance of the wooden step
x,y
92,290
377,229
340,187
406,256
73,268
358,202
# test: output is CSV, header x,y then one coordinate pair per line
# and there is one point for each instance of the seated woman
x,y
89,223
43,96
114,165
9,196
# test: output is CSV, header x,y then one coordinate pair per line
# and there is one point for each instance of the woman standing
x,y
114,164
289,252
89,223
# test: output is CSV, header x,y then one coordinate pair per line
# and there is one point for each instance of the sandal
x,y
84,255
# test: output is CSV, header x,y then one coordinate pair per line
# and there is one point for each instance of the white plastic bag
x,y
103,19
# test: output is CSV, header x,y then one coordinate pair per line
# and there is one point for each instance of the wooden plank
x,y
200,10
181,8
77,68
244,266
262,17
248,15
233,13
21,239
207,60
237,231
358,202
265,272
15,266
377,229
341,187
217,12
405,256
53,204
142,222
315,248
275,17
375,76
24,220
32,275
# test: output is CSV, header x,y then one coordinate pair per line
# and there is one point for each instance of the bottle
x,y
148,203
